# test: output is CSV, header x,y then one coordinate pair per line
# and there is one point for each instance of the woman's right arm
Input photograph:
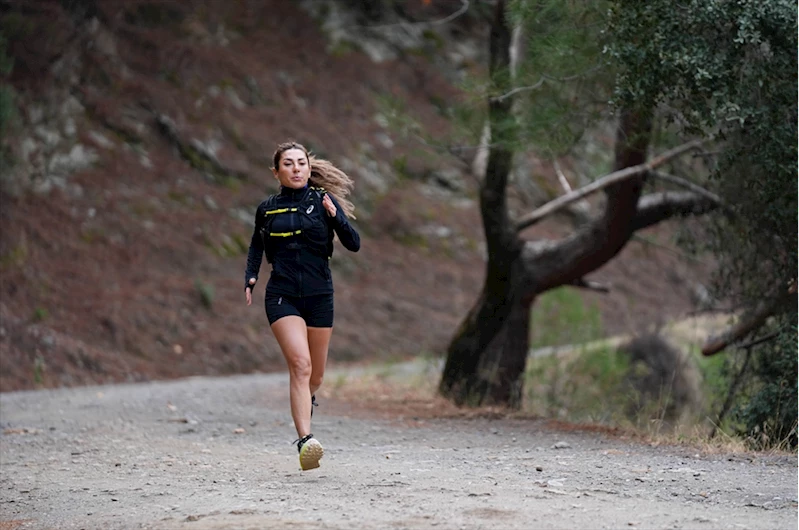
x,y
254,255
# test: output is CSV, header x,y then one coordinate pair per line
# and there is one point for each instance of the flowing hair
x,y
324,175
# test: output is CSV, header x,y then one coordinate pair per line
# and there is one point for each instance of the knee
x,y
300,367
316,380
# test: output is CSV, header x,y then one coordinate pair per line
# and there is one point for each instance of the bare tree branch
x,y
748,323
561,177
582,209
538,84
463,9
535,86
453,16
608,180
685,183
657,207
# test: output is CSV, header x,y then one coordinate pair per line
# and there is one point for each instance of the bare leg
x,y
318,342
292,336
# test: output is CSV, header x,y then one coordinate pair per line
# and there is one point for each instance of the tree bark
x,y
500,373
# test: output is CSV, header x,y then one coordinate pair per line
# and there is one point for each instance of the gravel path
x,y
213,453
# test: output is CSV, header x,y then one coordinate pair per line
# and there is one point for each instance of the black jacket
x,y
296,233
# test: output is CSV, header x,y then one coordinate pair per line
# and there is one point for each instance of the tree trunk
x,y
501,370
460,380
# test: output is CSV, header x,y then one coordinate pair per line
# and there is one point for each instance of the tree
x,y
487,355
733,74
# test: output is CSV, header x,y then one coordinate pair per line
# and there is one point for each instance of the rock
x,y
50,137
234,98
70,129
71,107
26,147
78,158
101,140
35,114
384,140
210,203
562,445
447,178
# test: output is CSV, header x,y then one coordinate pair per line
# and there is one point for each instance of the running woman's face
x,y
294,170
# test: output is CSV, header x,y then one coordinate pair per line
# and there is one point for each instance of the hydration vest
x,y
308,208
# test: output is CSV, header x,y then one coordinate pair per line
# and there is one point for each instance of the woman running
x,y
295,229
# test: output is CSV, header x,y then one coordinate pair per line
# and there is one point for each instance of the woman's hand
x,y
248,291
327,202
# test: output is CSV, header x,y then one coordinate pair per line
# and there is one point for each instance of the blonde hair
x,y
324,175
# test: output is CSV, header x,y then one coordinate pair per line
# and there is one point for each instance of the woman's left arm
x,y
344,230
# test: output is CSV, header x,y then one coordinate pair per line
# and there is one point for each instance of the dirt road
x,y
216,453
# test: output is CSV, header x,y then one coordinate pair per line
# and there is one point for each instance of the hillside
x,y
142,147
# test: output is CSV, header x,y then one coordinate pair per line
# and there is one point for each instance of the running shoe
x,y
311,452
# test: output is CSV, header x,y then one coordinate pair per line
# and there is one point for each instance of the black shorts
x,y
317,311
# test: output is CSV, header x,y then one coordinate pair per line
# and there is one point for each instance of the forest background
x,y
137,139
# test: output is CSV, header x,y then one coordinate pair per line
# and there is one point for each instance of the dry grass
x,y
407,393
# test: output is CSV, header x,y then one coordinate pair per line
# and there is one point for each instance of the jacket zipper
x,y
296,217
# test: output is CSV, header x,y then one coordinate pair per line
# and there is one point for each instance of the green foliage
x,y
39,314
586,384
396,117
8,107
560,317
585,380
38,370
729,69
343,48
206,292
769,416
702,58
563,79
400,166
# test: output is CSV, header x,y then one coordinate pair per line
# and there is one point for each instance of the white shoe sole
x,y
310,454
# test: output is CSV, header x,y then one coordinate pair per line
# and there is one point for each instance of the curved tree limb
x,y
657,207
748,323
422,24
551,264
608,180
538,84
685,183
